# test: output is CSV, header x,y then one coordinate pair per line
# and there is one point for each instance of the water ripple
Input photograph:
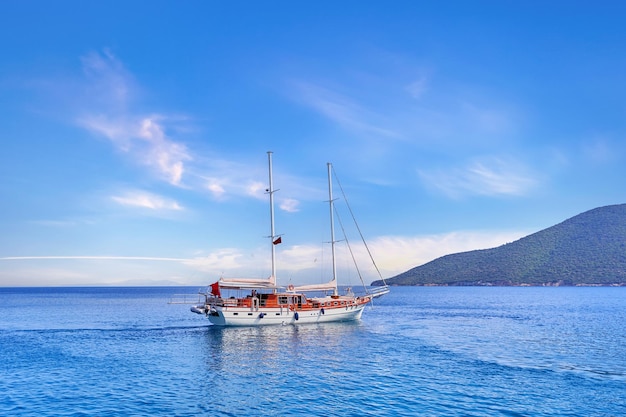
x,y
452,352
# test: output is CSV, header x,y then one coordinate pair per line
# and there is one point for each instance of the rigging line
x,y
357,227
345,236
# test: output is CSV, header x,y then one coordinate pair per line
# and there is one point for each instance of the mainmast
x,y
270,191
332,226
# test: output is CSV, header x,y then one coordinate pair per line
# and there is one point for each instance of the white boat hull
x,y
236,316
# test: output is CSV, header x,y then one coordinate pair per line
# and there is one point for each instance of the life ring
x,y
290,287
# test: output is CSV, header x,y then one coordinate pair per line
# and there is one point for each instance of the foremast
x,y
272,236
332,227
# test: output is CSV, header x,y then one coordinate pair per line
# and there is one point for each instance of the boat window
x,y
282,300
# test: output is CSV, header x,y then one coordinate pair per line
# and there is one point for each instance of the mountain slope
x,y
588,249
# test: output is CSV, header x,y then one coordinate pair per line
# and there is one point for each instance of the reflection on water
x,y
275,367
243,349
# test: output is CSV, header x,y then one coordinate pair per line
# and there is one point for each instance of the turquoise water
x,y
420,351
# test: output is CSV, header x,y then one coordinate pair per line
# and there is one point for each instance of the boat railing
x,y
229,302
222,302
187,299
379,291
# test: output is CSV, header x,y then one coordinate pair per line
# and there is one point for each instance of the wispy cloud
x,y
486,118
110,84
225,179
59,223
147,200
149,139
491,177
417,88
600,150
110,114
145,140
395,103
343,110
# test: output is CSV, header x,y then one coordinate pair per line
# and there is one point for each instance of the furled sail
x,y
328,286
237,283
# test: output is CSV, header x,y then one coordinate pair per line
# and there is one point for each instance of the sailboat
x,y
261,302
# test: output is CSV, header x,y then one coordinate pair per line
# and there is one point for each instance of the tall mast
x,y
332,226
270,191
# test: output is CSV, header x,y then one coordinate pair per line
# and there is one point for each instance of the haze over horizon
x,y
134,135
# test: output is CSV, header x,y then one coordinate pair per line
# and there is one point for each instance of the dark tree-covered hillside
x,y
588,249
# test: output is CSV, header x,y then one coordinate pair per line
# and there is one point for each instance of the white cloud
x,y
145,140
392,254
226,260
215,188
165,154
230,182
397,254
492,176
109,114
289,205
256,189
299,264
146,200
225,179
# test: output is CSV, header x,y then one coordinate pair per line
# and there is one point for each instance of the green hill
x,y
588,249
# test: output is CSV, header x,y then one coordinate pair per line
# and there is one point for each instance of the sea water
x,y
418,351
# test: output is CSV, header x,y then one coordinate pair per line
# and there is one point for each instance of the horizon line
x,y
107,258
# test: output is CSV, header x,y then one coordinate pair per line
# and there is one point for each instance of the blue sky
x,y
134,134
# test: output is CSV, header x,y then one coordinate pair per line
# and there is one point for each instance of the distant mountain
x,y
588,249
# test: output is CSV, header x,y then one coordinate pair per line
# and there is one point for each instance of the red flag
x,y
278,240
215,289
